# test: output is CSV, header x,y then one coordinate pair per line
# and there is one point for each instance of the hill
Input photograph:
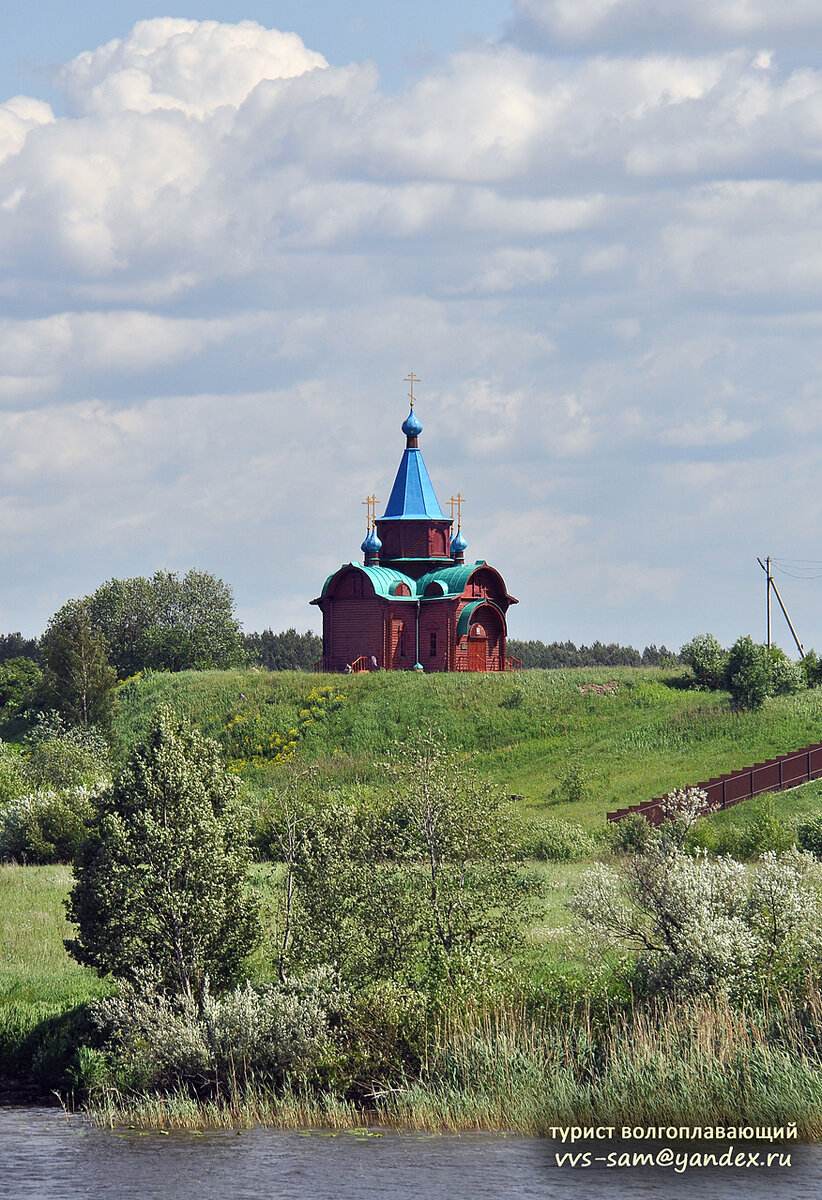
x,y
536,734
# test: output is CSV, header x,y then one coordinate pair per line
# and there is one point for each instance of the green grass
x,y
38,980
529,732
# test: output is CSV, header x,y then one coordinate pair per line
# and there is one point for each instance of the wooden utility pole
x,y
772,584
768,597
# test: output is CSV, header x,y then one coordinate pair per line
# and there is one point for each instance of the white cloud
x,y
604,265
193,67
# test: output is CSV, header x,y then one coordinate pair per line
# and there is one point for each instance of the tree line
x,y
565,654
168,622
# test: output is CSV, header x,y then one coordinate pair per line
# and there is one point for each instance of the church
x,y
414,603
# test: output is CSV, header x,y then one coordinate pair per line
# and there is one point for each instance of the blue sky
x,y
591,227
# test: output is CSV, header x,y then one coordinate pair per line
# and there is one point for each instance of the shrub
x,y
632,834
575,785
12,783
809,835
261,1034
747,673
706,658
555,840
811,668
786,677
693,926
61,755
45,826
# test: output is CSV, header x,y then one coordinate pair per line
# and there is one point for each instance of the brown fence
x,y
726,790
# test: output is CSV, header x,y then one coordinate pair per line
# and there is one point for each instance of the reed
x,y
506,1069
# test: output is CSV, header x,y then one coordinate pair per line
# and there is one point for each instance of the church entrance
x,y
477,648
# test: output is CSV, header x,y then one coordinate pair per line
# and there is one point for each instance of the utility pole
x,y
768,597
772,584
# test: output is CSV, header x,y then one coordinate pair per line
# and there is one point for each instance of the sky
x,y
592,228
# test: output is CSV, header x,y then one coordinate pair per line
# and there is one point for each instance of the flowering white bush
x,y
47,824
696,925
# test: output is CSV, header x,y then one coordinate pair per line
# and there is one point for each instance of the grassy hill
x,y
533,733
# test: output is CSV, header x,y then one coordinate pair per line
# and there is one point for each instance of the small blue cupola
x,y
371,548
458,547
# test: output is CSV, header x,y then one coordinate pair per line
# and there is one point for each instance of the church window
x,y
433,649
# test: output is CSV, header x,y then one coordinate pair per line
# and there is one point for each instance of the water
x,y
45,1157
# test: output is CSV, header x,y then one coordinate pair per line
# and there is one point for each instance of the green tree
x,y
161,880
748,673
706,658
167,622
415,889
79,678
21,686
288,651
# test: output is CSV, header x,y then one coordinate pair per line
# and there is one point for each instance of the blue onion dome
x,y
412,425
372,544
458,543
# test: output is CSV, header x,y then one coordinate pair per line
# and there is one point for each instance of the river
x,y
44,1156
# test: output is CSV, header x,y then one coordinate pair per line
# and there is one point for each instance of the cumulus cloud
x,y
193,67
603,263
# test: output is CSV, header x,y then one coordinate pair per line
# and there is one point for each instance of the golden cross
x,y
459,501
371,502
412,379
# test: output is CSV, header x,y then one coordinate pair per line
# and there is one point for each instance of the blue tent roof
x,y
413,493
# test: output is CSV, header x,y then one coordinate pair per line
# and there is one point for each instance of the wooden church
x,y
414,603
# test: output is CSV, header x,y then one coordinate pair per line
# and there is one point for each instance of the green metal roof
x,y
454,578
467,613
382,579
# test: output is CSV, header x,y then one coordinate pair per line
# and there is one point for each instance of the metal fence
x,y
723,791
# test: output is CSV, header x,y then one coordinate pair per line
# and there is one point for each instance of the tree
x,y
167,623
748,673
79,678
14,645
412,889
21,686
288,651
160,883
706,658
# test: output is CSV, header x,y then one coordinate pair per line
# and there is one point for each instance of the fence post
x,y
723,792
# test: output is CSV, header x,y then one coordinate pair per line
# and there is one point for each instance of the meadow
x,y
558,753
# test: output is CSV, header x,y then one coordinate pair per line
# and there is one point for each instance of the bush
x,y
706,658
786,677
748,673
552,839
631,835
575,785
764,832
695,926
45,826
809,835
12,782
811,668
262,1035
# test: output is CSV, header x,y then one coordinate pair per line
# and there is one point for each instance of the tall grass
x,y
486,1069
